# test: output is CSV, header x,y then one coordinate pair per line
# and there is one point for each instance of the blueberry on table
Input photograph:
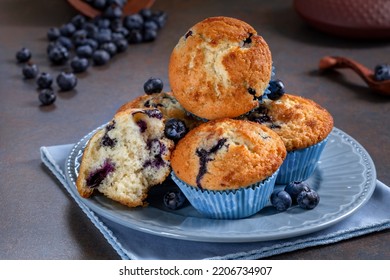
x,y
23,55
100,57
382,72
281,200
66,81
58,54
174,199
84,51
30,70
276,88
134,21
79,64
175,129
44,80
53,33
47,96
308,199
153,85
109,47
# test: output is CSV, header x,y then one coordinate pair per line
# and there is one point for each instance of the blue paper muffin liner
x,y
299,165
229,204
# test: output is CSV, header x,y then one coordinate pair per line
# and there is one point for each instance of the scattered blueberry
x,y
135,36
58,54
30,70
67,29
276,88
84,51
134,21
100,57
23,55
121,45
295,188
79,64
153,85
44,80
308,199
47,96
382,72
281,200
53,33
174,199
110,48
65,42
175,129
66,81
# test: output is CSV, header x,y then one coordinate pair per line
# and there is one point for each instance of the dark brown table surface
x,y
39,220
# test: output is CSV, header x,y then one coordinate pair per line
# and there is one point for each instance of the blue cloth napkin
x,y
132,244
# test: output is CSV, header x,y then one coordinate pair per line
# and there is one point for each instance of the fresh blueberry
x,y
281,200
150,24
23,55
47,96
146,13
79,64
79,38
99,4
174,199
58,54
30,70
160,18
175,129
295,188
103,36
149,35
67,29
84,51
135,36
66,81
113,12
153,85
276,88
109,47
78,21
44,80
134,21
92,43
382,72
308,199
65,42
121,45
53,33
100,57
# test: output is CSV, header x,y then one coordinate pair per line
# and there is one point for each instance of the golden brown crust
x,y
227,154
218,67
166,103
299,121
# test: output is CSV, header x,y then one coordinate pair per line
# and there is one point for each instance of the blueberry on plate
x,y
308,199
153,85
175,129
47,96
174,199
44,80
281,200
23,55
294,188
66,81
276,88
79,64
382,72
30,70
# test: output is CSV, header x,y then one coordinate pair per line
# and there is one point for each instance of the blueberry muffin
x,y
126,157
303,126
219,68
227,168
166,103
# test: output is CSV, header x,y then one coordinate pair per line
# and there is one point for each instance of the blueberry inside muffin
x,y
126,157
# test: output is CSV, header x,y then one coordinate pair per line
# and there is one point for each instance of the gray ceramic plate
x,y
345,180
